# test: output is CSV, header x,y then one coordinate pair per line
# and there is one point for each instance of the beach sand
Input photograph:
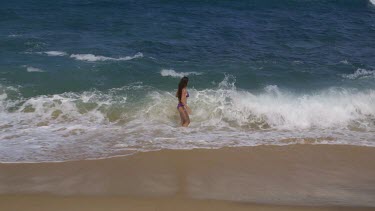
x,y
293,177
118,203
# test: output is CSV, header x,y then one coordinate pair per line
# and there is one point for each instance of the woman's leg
x,y
187,118
184,117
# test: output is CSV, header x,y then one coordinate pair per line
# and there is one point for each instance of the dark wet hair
x,y
183,83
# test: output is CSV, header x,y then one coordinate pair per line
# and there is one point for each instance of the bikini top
x,y
187,94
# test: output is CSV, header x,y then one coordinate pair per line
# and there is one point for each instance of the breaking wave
x,y
91,57
94,124
33,69
56,53
360,73
174,74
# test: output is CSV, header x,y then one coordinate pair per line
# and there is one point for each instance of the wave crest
x,y
360,73
137,117
31,69
93,58
224,106
56,53
174,74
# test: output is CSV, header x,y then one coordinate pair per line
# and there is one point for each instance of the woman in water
x,y
182,106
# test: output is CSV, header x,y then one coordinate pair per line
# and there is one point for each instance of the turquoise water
x,y
93,79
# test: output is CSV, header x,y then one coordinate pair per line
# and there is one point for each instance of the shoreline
x,y
324,176
120,203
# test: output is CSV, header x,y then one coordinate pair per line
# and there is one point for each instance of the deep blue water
x,y
253,65
297,44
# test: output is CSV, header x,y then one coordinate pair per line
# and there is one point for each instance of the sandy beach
x,y
114,203
302,177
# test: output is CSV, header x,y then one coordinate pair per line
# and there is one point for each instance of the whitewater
x,y
95,124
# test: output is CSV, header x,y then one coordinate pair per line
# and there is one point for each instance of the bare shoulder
x,y
184,91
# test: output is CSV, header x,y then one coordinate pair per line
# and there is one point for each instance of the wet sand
x,y
326,177
118,203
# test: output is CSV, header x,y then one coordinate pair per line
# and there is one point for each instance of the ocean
x,y
95,79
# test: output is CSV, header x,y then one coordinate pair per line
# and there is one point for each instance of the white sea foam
x,y
373,2
96,124
92,57
344,62
14,35
33,69
174,74
55,53
332,108
360,73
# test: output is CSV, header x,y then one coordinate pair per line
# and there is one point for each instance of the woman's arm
x,y
184,101
183,97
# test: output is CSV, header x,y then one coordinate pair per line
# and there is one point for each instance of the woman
x,y
182,106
